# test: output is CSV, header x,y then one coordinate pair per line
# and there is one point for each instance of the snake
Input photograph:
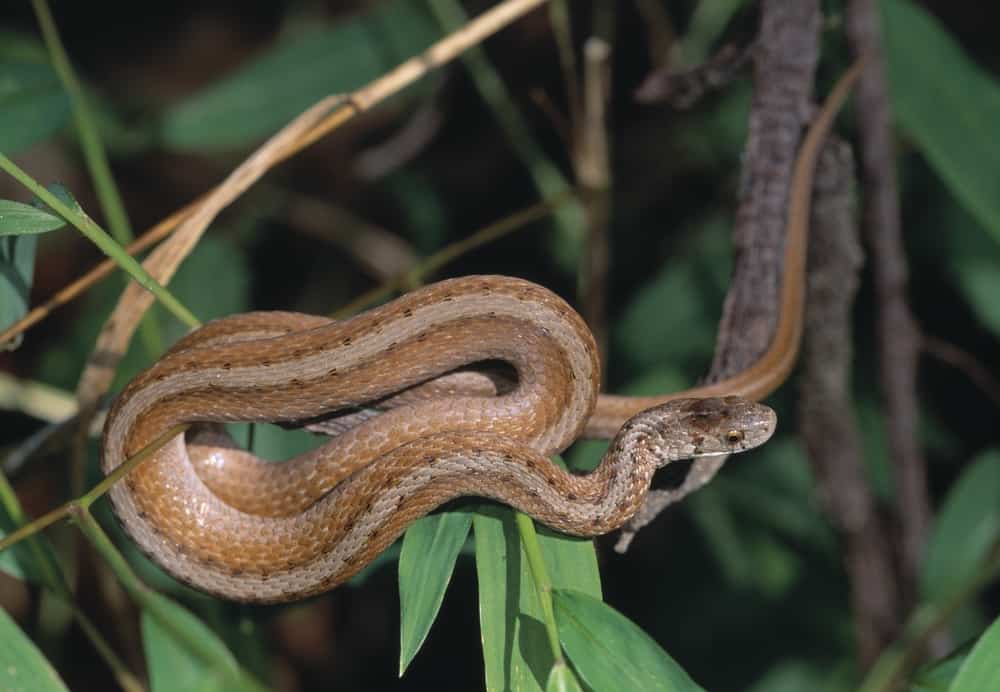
x,y
464,387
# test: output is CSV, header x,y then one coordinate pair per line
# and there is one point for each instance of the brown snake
x,y
235,526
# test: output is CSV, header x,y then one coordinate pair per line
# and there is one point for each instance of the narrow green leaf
x,y
937,676
17,269
981,669
966,528
979,280
426,561
22,47
680,299
24,219
561,679
33,559
22,665
295,73
610,652
184,655
32,104
516,653
795,675
947,104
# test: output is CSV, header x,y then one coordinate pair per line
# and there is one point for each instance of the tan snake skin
x,y
413,429
320,527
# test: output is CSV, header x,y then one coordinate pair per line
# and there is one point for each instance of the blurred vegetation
x,y
741,586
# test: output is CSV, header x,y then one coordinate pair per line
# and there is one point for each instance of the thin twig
x,y
84,501
591,161
445,50
965,362
784,68
898,334
898,661
418,274
825,408
101,239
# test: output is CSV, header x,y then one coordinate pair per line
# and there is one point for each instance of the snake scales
x,y
232,525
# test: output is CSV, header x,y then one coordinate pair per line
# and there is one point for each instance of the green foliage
x,y
947,104
754,543
17,264
262,96
24,219
22,665
426,562
981,668
515,649
967,528
184,655
18,223
612,653
33,105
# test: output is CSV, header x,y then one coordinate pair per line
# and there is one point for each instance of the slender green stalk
x,y
42,558
899,660
544,173
84,501
126,679
52,579
90,141
543,585
416,275
562,32
150,601
94,155
126,467
102,240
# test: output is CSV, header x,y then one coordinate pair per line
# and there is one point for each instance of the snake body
x,y
322,516
413,427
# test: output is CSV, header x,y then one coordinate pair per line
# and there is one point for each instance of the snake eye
x,y
734,437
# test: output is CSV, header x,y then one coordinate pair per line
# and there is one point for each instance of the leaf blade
x,y
426,562
948,105
22,665
610,652
981,668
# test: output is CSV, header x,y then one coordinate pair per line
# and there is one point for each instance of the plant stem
x,y
543,585
84,501
102,240
90,141
52,578
898,660
544,173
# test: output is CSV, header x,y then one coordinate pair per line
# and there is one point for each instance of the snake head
x,y
688,428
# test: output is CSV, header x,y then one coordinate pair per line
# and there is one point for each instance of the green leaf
x,y
966,528
32,104
679,300
32,559
948,105
981,669
516,651
979,279
17,268
561,679
610,652
22,665
797,675
184,655
426,562
295,73
24,219
937,676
